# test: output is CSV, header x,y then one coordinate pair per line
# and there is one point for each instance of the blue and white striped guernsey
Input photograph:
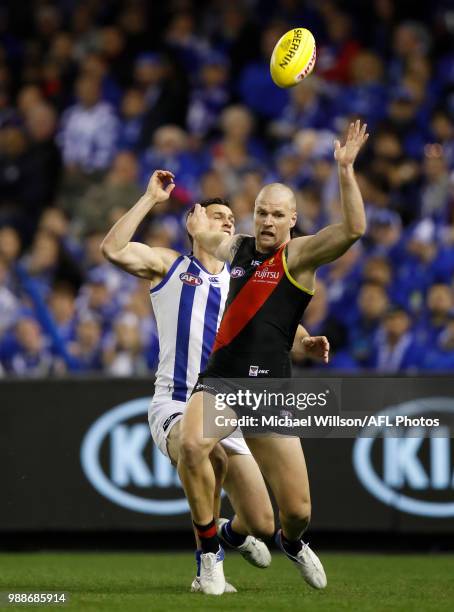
x,y
188,305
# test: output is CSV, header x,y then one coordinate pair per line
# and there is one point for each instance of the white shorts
x,y
164,413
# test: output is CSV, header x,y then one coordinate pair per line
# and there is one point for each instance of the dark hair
x,y
205,204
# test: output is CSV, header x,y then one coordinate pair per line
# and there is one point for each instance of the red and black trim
x,y
262,312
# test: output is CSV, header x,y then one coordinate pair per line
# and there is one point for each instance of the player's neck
x,y
210,263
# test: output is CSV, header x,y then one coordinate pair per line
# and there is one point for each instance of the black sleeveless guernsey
x,y
263,308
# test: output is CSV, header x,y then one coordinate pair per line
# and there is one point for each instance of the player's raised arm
x,y
310,252
218,244
135,257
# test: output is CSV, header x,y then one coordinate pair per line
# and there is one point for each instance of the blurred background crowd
x,y
96,94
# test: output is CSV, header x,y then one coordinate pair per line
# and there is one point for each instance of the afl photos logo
x,y
190,279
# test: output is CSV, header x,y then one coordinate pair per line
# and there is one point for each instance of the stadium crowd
x,y
96,94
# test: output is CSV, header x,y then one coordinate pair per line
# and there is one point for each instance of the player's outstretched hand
x,y
160,185
197,220
316,347
356,137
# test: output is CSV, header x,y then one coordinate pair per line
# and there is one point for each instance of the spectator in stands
x,y
89,131
32,357
139,305
132,118
410,39
47,261
342,278
416,271
9,303
335,58
435,187
56,222
309,107
237,151
166,94
212,185
10,244
395,346
441,355
98,298
384,232
41,261
319,322
28,97
112,47
372,305
118,189
13,170
442,132
123,353
86,348
62,307
287,168
210,95
43,157
94,65
257,90
438,308
170,150
366,96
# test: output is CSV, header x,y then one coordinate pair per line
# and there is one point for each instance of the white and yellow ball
x,y
293,57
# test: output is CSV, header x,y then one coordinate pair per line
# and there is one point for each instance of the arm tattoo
x,y
235,245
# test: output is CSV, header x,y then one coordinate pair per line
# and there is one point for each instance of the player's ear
x,y
293,219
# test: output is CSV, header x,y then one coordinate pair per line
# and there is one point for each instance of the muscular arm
x,y
217,244
310,252
134,257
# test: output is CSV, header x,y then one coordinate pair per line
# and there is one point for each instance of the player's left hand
x,y
197,221
316,347
356,137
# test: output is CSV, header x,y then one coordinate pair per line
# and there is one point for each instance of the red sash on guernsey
x,y
250,299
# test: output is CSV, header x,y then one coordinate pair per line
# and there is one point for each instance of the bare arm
x,y
310,252
135,257
218,244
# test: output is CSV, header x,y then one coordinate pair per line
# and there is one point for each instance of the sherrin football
x,y
293,57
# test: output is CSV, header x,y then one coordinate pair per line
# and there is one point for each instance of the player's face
x,y
273,222
221,219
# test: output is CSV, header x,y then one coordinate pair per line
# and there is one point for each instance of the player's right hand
x,y
160,185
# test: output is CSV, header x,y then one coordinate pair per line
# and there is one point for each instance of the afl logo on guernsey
x,y
236,272
190,279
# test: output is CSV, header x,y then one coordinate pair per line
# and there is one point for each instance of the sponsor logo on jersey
x,y
213,279
190,279
255,371
266,275
236,272
255,263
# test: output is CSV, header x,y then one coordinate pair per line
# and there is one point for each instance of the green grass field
x,y
160,582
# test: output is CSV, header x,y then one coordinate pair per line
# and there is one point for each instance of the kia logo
x,y
190,279
415,474
127,440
